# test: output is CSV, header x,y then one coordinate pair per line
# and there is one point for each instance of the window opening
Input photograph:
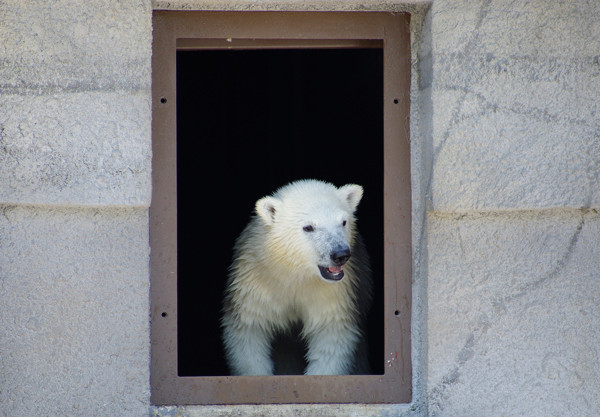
x,y
248,122
245,102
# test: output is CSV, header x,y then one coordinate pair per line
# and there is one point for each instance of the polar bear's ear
x,y
266,208
351,193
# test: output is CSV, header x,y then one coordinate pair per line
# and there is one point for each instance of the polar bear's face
x,y
311,225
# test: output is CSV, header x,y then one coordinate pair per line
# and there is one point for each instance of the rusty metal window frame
x,y
262,30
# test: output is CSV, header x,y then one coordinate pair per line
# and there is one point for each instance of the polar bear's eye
x,y
344,223
308,228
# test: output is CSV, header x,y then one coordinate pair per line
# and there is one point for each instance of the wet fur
x,y
278,308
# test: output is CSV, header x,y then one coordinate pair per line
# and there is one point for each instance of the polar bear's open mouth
x,y
332,273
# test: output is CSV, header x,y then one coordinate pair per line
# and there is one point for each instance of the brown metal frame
x,y
256,30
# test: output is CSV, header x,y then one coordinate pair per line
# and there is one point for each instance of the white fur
x,y
275,281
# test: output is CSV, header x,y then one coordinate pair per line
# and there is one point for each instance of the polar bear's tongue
x,y
336,269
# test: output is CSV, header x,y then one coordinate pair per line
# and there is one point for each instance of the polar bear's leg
x,y
248,350
331,350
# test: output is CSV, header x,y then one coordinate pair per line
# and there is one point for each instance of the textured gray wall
x,y
506,150
513,273
74,195
75,104
74,311
514,301
515,104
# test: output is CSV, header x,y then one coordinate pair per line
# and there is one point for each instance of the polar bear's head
x,y
310,225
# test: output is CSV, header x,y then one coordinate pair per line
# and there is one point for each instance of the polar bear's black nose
x,y
340,256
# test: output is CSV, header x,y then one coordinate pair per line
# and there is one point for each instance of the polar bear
x,y
299,286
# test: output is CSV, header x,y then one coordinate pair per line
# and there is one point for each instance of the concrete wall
x,y
506,153
75,167
513,273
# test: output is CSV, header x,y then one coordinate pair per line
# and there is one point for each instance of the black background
x,y
249,122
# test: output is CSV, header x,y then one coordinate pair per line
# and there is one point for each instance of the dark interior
x,y
249,122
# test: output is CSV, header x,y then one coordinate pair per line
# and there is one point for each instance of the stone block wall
x,y
505,137
513,279
75,166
